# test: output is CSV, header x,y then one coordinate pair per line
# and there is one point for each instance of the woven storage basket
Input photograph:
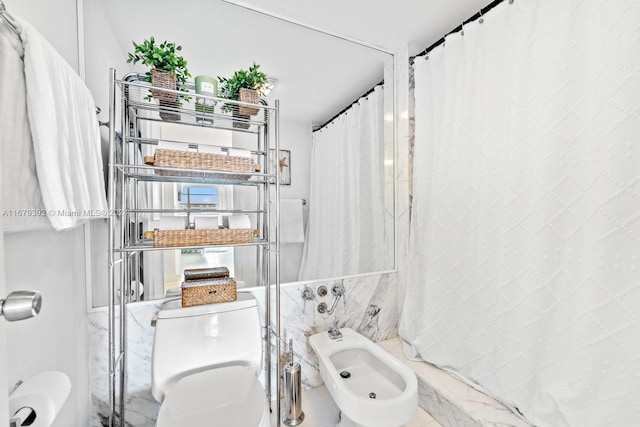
x,y
205,273
203,161
208,291
165,79
168,110
248,95
241,124
201,237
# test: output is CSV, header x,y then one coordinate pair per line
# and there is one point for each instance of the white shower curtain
x,y
345,232
525,237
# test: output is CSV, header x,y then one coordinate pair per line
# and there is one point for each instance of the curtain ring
x,y
462,29
481,20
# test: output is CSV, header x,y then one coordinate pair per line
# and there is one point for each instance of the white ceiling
x,y
317,74
390,24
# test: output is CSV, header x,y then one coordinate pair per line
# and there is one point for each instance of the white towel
x,y
20,196
291,221
66,138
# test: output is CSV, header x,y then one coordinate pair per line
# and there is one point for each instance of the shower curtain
x,y
524,275
345,231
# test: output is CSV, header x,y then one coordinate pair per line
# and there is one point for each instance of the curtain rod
x,y
6,16
344,110
478,15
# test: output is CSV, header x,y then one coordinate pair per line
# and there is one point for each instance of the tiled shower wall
x,y
369,307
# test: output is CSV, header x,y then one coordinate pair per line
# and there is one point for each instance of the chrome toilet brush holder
x,y
292,377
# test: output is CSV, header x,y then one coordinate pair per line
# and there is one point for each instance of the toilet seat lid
x,y
230,397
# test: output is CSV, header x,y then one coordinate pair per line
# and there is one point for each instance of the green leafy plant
x,y
252,78
163,57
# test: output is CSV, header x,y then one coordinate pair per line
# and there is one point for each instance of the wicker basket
x,y
208,291
165,79
203,161
248,95
201,237
168,110
240,124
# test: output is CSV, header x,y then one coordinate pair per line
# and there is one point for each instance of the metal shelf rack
x,y
129,106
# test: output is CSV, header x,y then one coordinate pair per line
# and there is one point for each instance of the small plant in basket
x,y
167,69
246,86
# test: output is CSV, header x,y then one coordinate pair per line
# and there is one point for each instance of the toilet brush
x,y
292,377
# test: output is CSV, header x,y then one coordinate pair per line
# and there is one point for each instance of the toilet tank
x,y
193,339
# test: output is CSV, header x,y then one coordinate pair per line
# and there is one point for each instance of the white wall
x,y
296,137
4,381
101,51
50,262
56,20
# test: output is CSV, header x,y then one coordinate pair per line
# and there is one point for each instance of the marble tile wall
x,y
369,307
451,401
141,407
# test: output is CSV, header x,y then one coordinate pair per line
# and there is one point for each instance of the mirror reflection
x,y
338,180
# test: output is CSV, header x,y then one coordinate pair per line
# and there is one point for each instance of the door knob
x,y
20,305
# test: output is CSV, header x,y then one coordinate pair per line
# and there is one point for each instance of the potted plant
x,y
245,86
167,69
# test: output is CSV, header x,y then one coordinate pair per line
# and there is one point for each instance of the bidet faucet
x,y
333,307
334,333
338,291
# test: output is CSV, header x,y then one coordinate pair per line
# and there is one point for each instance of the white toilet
x,y
205,365
370,386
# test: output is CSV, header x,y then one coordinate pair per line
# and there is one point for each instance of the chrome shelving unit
x,y
128,108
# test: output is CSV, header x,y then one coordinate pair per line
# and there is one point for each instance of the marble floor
x,y
321,411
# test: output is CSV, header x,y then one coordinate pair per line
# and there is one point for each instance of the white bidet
x,y
371,387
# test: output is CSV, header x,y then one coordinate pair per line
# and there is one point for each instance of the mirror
x,y
316,76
